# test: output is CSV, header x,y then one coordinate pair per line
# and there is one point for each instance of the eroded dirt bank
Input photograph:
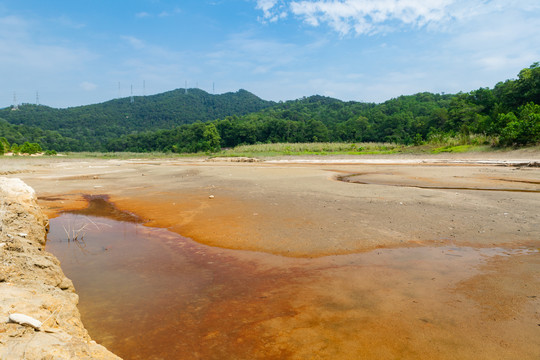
x,y
33,284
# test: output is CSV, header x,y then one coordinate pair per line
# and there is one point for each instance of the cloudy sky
x,y
77,52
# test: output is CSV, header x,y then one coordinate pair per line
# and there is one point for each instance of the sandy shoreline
x,y
456,271
296,209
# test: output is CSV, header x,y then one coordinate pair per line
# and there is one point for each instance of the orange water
x,y
147,293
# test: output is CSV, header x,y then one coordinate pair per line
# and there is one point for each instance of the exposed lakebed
x,y
148,293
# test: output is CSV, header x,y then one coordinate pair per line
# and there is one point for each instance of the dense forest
x,y
91,127
197,121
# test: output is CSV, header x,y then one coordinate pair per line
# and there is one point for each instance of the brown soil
x,y
301,210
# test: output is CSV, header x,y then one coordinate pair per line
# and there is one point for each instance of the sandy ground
x,y
297,209
301,209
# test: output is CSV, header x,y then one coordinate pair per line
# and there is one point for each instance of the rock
x,y
17,195
211,197
32,282
26,320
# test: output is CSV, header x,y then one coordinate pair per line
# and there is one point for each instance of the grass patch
x,y
282,149
453,149
463,139
454,145
459,144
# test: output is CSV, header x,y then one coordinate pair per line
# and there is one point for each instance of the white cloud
x,y
152,52
266,6
21,51
162,14
254,55
273,10
32,59
142,14
69,23
170,13
379,16
499,42
359,16
134,42
88,86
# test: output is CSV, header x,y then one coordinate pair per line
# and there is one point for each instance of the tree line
x,y
510,112
90,127
26,148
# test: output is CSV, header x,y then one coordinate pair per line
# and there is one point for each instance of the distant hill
x,y
91,126
508,114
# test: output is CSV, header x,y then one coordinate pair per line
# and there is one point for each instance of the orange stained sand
x,y
223,221
53,206
147,293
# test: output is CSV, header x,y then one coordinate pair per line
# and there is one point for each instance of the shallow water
x,y
148,293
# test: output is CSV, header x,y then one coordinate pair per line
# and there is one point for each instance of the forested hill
x,y
507,115
197,121
92,126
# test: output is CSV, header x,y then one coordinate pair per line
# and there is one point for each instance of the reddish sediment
x,y
427,293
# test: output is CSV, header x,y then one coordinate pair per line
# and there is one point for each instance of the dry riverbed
x,y
395,257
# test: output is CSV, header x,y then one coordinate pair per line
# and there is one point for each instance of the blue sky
x,y
77,52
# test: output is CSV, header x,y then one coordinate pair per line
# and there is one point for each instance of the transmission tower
x,y
37,98
132,100
15,105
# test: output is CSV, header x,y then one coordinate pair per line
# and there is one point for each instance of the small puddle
x,y
147,293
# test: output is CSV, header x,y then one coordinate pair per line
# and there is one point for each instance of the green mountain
x,y
90,127
194,121
508,114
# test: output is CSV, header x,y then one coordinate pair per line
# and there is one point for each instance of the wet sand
x,y
416,261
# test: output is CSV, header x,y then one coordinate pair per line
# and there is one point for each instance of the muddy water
x,y
147,293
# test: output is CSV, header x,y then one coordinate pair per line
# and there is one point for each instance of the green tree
x,y
211,138
30,148
522,130
4,145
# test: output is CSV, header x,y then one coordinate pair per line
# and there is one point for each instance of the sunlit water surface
x,y
147,293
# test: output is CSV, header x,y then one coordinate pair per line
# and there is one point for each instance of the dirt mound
x,y
33,284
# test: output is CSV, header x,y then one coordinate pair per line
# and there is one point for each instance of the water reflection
x,y
147,293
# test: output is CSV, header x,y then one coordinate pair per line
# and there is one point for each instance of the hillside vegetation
x,y
507,115
91,127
